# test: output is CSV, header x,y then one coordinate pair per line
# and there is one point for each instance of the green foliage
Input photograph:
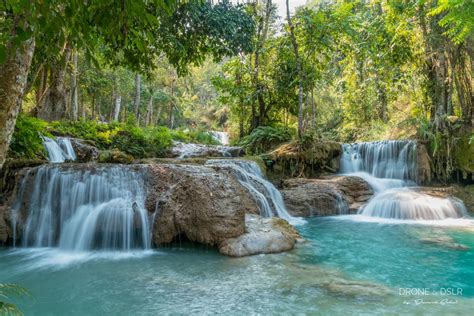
x,y
194,136
26,140
457,18
264,138
6,291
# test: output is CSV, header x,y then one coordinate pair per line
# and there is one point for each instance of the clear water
x,y
200,281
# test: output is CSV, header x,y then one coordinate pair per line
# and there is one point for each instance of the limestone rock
x,y
423,164
311,159
84,151
262,235
114,156
327,196
196,203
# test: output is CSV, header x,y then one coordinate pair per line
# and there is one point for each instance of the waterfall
x,y
59,150
408,204
78,209
221,137
390,169
267,196
392,159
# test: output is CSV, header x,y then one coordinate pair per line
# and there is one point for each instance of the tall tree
x,y
131,34
299,70
136,100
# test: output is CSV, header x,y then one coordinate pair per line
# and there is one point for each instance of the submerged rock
x,y
354,288
444,241
262,235
327,196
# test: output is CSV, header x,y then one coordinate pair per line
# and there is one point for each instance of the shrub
x,y
159,140
264,138
26,140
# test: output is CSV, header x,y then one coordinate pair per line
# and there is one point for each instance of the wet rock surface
x,y
423,165
84,152
331,195
189,150
262,235
196,203
310,160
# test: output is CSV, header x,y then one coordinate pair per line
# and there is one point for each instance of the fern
x,y
264,138
6,291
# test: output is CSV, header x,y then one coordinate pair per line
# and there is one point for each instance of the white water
x,y
190,150
221,137
81,210
390,168
59,150
266,195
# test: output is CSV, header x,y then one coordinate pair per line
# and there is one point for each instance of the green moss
x,y
310,158
114,156
464,155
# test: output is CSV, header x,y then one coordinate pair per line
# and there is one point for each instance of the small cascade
x,y
266,195
411,205
81,210
390,168
59,149
221,137
190,150
389,159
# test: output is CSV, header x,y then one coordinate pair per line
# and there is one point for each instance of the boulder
x,y
262,235
196,203
310,159
332,195
84,152
114,156
423,164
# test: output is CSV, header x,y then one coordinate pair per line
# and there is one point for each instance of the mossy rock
x,y
464,155
309,159
114,156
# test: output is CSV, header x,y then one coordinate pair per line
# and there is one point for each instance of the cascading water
x,y
59,150
221,137
266,195
390,168
77,209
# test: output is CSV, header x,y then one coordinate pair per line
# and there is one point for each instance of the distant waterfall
x,y
266,195
221,137
59,150
390,168
77,209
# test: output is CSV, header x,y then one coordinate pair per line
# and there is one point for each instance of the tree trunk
x,y
313,110
117,106
436,68
53,105
158,113
13,77
298,70
136,100
262,31
74,94
43,86
149,111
